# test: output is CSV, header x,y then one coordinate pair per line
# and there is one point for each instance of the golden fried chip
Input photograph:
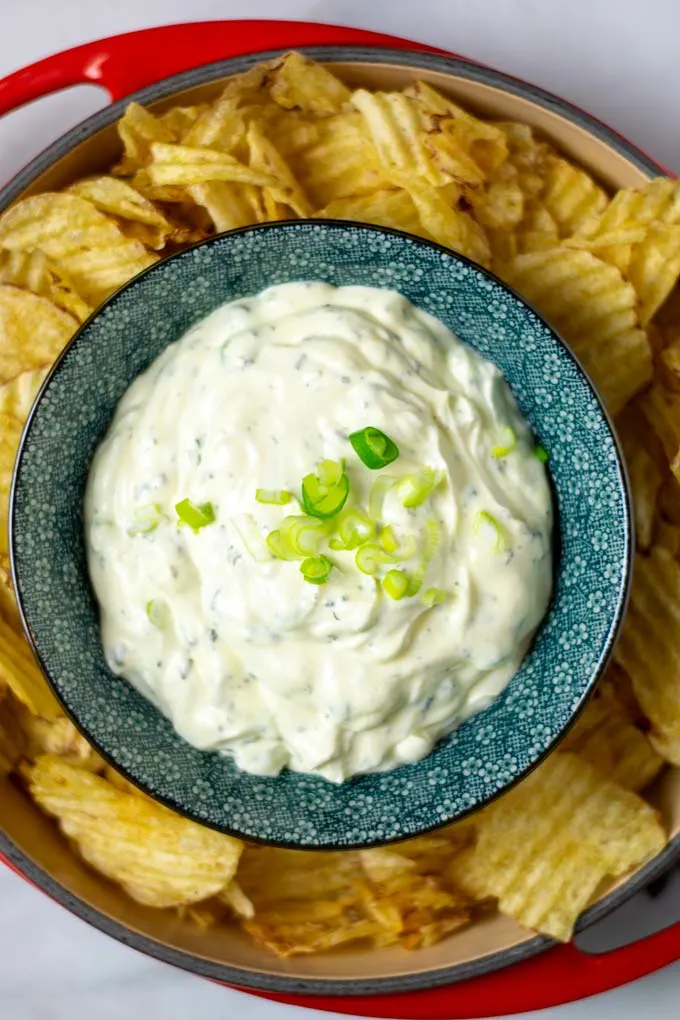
x,y
667,536
97,273
572,197
544,847
159,858
179,120
299,83
654,267
384,208
17,396
228,205
449,226
183,165
646,479
119,199
340,161
222,126
10,434
669,500
18,668
605,737
485,144
32,270
501,205
661,408
12,734
669,363
283,186
594,308
306,902
649,650
138,130
33,331
59,737
538,230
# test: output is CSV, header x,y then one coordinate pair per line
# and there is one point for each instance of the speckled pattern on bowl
x,y
593,551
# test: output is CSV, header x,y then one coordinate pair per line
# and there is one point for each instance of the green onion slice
x,y
432,541
156,612
395,584
507,445
325,494
370,556
434,597
251,537
352,530
316,569
297,536
379,490
398,550
488,521
146,519
540,453
274,497
196,517
374,448
415,488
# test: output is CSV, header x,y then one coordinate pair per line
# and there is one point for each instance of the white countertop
x,y
616,58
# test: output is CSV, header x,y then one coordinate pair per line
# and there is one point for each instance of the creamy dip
x,y
235,646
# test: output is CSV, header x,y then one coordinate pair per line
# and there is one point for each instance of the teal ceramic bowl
x,y
593,552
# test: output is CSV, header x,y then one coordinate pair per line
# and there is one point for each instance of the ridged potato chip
x,y
450,226
385,208
32,270
59,737
301,84
184,165
10,434
595,310
179,120
339,162
544,847
18,668
646,477
669,363
160,859
661,408
138,216
17,396
138,128
13,741
571,196
33,331
283,186
654,268
605,736
649,650
229,206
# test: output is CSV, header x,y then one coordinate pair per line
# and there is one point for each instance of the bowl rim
x,y
627,523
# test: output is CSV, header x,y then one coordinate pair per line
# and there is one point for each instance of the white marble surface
x,y
618,58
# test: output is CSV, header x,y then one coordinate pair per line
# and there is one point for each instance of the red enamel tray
x,y
123,64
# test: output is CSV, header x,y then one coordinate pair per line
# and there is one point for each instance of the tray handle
x,y
125,63
560,975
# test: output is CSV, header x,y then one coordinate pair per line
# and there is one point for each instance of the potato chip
x,y
139,129
669,364
226,204
605,737
654,268
484,143
97,273
648,648
544,847
646,479
179,120
32,270
669,500
661,408
236,900
17,396
594,308
450,226
10,434
119,199
159,858
667,537
33,331
501,205
572,197
340,162
18,668
283,186
12,735
222,126
384,208
59,737
183,165
301,84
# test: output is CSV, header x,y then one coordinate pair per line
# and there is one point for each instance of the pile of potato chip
x,y
287,139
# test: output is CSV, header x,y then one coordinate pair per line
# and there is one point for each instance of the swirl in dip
x,y
239,647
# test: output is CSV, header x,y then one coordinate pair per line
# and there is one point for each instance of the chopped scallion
x,y
540,453
434,597
352,530
395,584
507,445
316,569
374,448
196,517
488,521
145,519
325,494
274,497
415,488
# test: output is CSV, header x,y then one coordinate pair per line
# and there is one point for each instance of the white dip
x,y
242,653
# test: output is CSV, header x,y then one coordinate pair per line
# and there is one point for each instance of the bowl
x,y
486,754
